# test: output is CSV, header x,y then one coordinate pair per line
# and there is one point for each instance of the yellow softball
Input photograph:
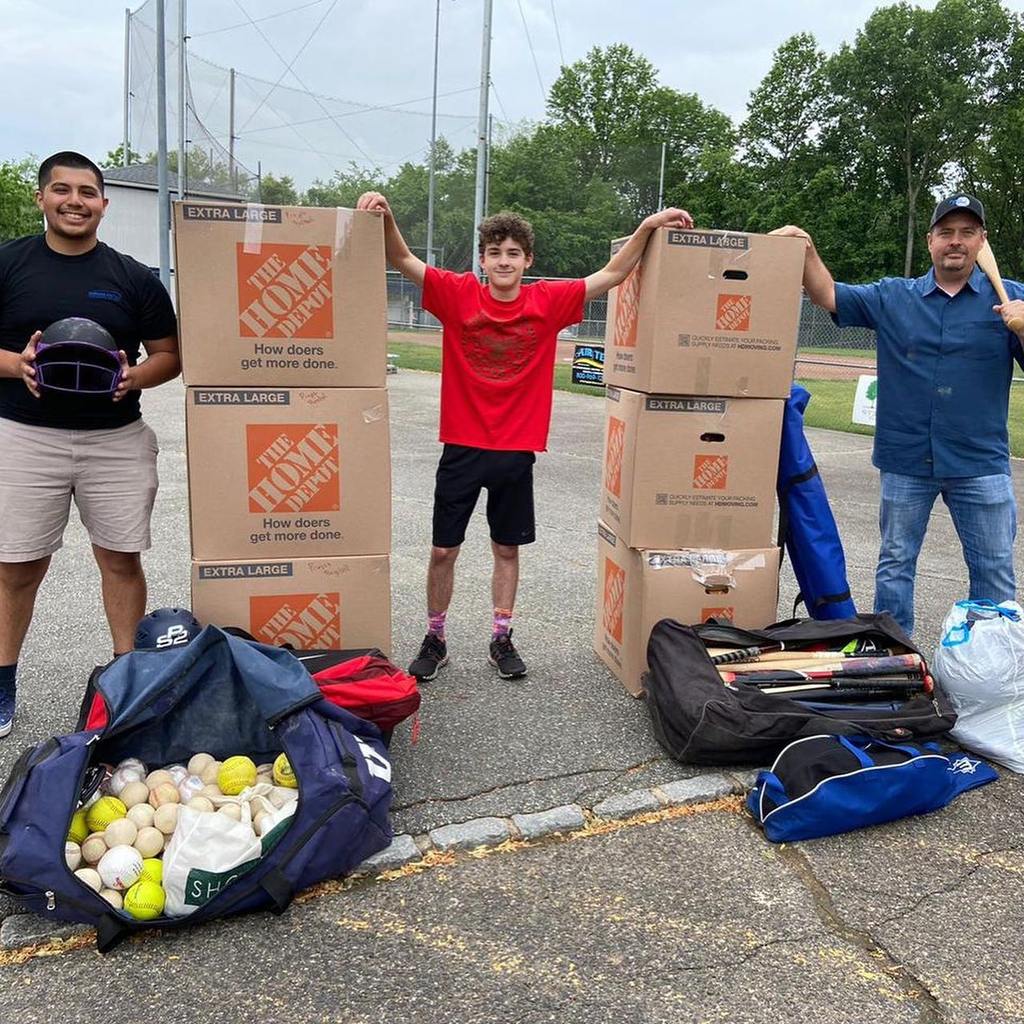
x,y
283,774
236,773
145,900
103,812
79,827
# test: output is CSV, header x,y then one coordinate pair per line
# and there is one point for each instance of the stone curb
x,y
23,929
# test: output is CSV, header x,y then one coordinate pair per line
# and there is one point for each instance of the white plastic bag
x,y
206,853
979,664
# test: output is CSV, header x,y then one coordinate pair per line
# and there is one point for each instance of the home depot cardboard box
x,y
310,603
280,295
684,472
636,588
707,313
291,472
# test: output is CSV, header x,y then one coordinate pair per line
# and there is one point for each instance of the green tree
x,y
911,93
18,212
276,191
115,158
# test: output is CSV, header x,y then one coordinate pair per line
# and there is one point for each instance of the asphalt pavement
x,y
683,915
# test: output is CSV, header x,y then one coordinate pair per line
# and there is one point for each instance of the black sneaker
x,y
505,658
432,657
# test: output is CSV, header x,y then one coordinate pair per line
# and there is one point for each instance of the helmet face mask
x,y
166,629
77,356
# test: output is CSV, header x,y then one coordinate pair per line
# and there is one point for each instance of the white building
x,y
132,221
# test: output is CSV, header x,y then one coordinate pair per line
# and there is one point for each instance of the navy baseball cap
x,y
961,203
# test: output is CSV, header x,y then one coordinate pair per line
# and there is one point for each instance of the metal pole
x,y
126,145
162,197
481,131
487,178
231,131
182,157
661,178
433,145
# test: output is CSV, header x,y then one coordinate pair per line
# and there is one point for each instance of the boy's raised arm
x,y
395,249
618,267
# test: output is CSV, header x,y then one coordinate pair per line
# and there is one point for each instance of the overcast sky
x,y
61,70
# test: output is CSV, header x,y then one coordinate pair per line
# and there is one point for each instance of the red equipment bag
x,y
369,686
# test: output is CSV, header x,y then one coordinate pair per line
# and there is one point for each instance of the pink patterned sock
x,y
502,623
435,623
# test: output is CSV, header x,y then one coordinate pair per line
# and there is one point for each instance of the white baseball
x,y
120,867
197,762
149,842
190,787
164,793
121,777
209,773
72,854
177,772
141,815
153,779
136,792
113,897
232,811
91,878
166,818
93,848
120,832
200,803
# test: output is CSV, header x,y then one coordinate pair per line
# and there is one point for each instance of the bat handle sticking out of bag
x,y
745,654
899,663
987,262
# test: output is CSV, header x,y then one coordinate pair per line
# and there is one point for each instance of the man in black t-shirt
x,y
57,445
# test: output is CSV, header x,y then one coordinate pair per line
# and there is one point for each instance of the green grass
x,y
813,352
428,357
831,404
831,407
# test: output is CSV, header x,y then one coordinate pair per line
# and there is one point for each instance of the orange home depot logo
x,y
293,467
613,455
308,622
732,313
710,472
722,612
627,310
614,599
284,291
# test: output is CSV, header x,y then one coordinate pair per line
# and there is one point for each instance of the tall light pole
x,y
162,196
125,146
433,143
481,131
182,166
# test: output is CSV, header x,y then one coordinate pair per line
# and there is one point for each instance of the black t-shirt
x,y
39,286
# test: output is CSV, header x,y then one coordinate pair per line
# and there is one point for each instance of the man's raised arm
x,y
818,283
617,269
395,249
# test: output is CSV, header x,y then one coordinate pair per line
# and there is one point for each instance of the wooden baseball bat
x,y
796,659
898,663
987,262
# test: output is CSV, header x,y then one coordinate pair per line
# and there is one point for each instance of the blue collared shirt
x,y
944,369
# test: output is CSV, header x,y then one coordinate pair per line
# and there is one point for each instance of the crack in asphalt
x,y
821,899
616,773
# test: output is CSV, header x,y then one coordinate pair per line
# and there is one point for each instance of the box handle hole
x,y
711,437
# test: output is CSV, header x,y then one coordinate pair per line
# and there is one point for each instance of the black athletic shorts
x,y
508,477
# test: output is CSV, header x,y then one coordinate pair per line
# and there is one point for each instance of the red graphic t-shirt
x,y
498,358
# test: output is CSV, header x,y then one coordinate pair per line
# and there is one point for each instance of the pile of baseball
x,y
116,840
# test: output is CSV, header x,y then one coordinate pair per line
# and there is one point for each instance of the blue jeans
x,y
984,513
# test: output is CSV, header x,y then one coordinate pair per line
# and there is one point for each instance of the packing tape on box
x,y
343,220
253,238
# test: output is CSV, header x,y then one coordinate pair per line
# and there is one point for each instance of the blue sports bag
x,y
824,785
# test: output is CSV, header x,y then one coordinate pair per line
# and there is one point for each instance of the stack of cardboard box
x,y
701,340
282,321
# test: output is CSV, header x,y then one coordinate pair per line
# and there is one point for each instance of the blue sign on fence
x,y
588,365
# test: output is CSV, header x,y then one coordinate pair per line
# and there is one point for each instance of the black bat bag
x,y
699,720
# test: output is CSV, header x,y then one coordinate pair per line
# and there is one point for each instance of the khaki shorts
x,y
110,473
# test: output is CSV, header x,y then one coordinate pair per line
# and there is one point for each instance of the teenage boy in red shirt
x,y
498,354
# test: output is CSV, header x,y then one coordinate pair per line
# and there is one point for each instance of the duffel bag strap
x,y
279,889
853,748
111,931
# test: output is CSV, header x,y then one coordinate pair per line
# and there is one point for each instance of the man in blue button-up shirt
x,y
945,358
